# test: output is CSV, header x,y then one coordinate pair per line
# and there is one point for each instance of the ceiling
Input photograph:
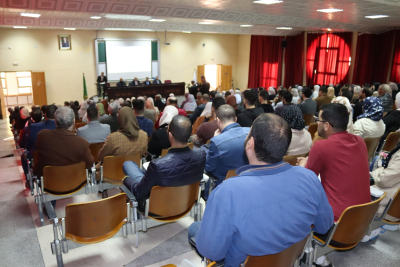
x,y
185,15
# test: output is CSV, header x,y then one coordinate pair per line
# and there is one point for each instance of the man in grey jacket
x,y
94,131
308,106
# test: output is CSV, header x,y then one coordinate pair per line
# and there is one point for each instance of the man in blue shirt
x,y
268,207
144,123
226,147
94,132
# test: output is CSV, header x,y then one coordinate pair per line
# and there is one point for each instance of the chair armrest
x,y
50,211
329,238
128,193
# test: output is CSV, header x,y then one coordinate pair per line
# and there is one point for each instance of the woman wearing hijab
x,y
231,100
272,93
185,101
356,95
316,92
102,112
159,140
296,97
150,105
395,90
301,138
331,92
370,124
207,109
376,87
82,111
129,139
191,104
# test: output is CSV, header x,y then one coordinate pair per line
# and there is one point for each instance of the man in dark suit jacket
x,y
61,147
205,86
147,82
135,82
193,89
101,79
121,83
308,106
157,81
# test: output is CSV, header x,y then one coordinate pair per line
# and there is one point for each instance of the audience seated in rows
x,y
181,166
159,139
384,92
308,106
94,131
144,123
244,214
246,118
370,124
264,100
199,109
129,139
61,147
286,101
301,138
112,119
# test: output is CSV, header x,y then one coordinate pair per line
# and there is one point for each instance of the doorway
x,y
17,88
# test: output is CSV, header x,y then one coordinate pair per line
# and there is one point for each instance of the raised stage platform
x,y
148,90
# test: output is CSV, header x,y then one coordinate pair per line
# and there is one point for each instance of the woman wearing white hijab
x,y
191,104
121,101
316,92
83,109
168,113
207,109
231,91
344,101
296,96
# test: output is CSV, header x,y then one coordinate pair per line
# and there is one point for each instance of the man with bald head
x,y
268,207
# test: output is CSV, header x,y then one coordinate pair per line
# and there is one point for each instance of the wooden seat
x,y
168,204
79,125
308,119
348,231
391,141
292,160
112,167
372,144
394,209
312,129
95,149
230,173
189,112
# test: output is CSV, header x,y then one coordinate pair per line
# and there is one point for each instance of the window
x,y
24,81
3,82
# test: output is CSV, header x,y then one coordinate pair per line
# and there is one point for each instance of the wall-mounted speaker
x,y
284,43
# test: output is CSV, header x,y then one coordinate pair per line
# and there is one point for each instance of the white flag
x,y
194,76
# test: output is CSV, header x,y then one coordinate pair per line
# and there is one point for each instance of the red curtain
x,y
294,54
265,68
328,58
395,74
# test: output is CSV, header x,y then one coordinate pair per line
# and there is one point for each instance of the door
x,y
200,72
226,78
39,88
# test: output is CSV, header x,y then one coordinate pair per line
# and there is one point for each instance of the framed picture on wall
x,y
64,42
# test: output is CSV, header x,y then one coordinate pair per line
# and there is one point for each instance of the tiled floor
x,y
24,243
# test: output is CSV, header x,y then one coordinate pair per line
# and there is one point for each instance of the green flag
x,y
85,95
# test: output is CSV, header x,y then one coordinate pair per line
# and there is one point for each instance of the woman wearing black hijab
x,y
376,86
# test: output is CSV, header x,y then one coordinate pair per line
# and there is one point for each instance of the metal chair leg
x,y
40,206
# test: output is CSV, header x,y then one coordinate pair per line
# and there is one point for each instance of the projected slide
x,y
128,59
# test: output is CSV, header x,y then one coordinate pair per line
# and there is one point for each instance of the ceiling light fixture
x,y
330,10
246,25
32,15
128,29
329,30
20,27
95,17
284,28
206,22
70,29
157,20
267,2
376,16
186,32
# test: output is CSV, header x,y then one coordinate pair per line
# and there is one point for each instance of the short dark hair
x,y
43,108
50,110
269,127
217,102
287,96
307,92
173,101
36,115
76,103
205,97
192,81
66,103
264,94
367,91
347,93
180,128
138,104
251,97
227,94
92,113
324,89
337,115
226,113
212,94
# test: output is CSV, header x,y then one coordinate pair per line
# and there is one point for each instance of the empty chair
x,y
292,160
372,144
92,222
95,149
391,141
230,173
308,119
112,171
169,204
312,129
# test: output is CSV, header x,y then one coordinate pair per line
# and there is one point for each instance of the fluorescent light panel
x,y
128,29
186,32
157,20
95,17
376,16
246,25
206,22
283,28
70,29
267,2
20,27
330,10
32,15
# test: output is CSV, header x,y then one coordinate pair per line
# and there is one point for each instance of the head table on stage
x,y
148,90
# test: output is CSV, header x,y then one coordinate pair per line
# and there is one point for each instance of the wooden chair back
x,y
292,160
308,118
95,221
112,165
394,209
285,258
312,129
354,223
35,157
79,125
95,149
64,180
190,145
372,144
189,112
173,203
391,141
230,173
